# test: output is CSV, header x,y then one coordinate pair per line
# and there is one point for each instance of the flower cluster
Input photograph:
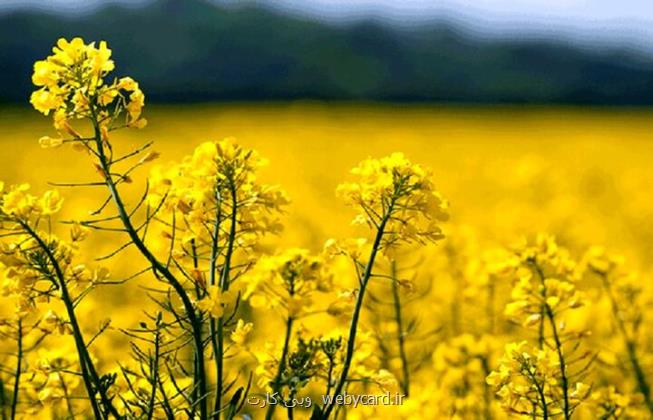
x,y
18,203
461,365
216,186
72,85
399,196
30,257
215,301
611,404
287,280
50,382
528,380
545,285
319,360
623,290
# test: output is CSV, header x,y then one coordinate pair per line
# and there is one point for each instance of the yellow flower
x,y
18,202
608,402
207,183
214,302
344,304
394,193
529,381
47,141
51,202
45,73
287,279
72,83
240,333
78,232
45,101
386,380
545,282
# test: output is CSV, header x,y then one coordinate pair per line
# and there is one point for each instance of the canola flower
x,y
529,380
215,206
288,280
39,267
398,198
624,296
610,404
399,203
72,86
461,364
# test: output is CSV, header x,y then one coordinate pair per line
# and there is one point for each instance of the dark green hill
x,y
194,51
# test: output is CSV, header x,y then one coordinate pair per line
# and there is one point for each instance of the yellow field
x,y
583,175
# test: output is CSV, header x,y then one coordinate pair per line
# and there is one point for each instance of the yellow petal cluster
x,y
287,279
72,84
528,381
396,193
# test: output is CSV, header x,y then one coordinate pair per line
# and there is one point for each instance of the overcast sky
x,y
620,20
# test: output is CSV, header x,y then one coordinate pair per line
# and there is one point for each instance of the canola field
x,y
532,299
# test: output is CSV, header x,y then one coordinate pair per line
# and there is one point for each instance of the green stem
x,y
276,385
540,392
224,286
330,375
216,336
3,400
563,366
218,349
353,328
66,395
196,326
154,372
405,383
92,383
548,312
540,333
487,396
19,368
631,348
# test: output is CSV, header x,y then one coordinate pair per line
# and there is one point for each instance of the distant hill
x,y
191,50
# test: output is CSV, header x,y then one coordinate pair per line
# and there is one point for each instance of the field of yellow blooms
x,y
226,261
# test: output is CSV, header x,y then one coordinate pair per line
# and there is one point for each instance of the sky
x,y
619,21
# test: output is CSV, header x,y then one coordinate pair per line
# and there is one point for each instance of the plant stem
x,y
487,396
92,383
351,341
540,331
19,367
405,383
548,312
561,359
216,336
631,348
154,372
545,407
196,326
330,375
224,286
276,385
3,400
66,394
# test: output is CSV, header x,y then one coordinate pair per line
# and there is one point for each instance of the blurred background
x,y
523,108
485,51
